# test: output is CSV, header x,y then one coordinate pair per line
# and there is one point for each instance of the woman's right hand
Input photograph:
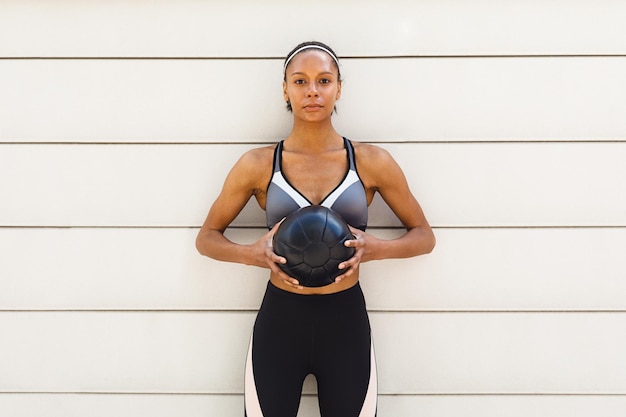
x,y
266,255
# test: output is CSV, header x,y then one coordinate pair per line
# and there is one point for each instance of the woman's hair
x,y
306,46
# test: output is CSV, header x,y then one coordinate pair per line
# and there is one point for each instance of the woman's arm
x,y
381,173
245,179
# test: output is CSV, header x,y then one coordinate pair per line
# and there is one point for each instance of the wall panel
x,y
541,184
99,405
470,270
503,406
417,353
455,99
119,405
225,29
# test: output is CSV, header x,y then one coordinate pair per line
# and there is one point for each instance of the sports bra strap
x,y
350,149
278,151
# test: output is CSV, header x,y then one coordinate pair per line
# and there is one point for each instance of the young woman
x,y
325,330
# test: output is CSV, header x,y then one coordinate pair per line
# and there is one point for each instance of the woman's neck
x,y
313,137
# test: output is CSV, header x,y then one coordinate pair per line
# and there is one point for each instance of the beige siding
x,y
192,28
417,353
163,405
492,269
460,184
119,121
414,99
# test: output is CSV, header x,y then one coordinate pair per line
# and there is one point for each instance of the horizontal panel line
x,y
247,311
113,227
523,227
263,143
197,227
225,394
347,57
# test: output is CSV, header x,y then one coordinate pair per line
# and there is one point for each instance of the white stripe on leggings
x,y
253,407
371,398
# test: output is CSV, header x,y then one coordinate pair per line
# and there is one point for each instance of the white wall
x,y
119,120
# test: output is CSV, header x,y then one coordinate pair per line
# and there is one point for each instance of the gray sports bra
x,y
348,198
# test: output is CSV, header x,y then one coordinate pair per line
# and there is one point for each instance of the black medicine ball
x,y
311,239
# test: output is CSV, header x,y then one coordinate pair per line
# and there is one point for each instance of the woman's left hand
x,y
362,243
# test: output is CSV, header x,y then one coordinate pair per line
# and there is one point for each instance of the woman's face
x,y
311,85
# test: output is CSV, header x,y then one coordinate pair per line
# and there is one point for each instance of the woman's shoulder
x,y
371,153
258,156
255,165
376,167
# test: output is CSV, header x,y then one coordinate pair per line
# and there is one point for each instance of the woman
x,y
325,330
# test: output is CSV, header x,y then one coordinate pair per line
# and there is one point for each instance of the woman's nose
x,y
312,91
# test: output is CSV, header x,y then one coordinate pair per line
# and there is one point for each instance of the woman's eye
x,y
299,81
324,81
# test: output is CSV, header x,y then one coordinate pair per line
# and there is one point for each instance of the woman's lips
x,y
313,107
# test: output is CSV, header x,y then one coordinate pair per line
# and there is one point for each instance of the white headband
x,y
297,51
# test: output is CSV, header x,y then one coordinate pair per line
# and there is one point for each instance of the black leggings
x,y
325,335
